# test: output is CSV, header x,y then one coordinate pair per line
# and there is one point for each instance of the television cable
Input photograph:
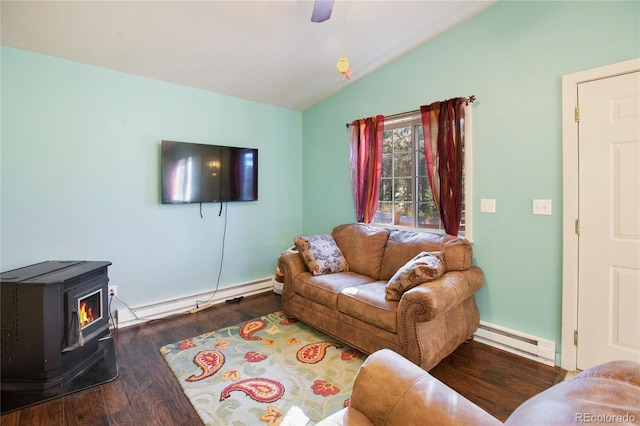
x,y
224,238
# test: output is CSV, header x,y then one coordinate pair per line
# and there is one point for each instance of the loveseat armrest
x,y
438,296
291,265
391,390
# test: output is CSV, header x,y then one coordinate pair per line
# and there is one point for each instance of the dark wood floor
x,y
146,393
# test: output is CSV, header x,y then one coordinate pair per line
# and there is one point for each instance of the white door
x,y
609,220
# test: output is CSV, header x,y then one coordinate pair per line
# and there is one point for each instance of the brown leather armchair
x,y
390,390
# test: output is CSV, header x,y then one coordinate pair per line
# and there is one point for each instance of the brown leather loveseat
x,y
388,390
349,293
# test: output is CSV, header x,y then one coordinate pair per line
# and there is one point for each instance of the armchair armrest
x,y
391,390
438,296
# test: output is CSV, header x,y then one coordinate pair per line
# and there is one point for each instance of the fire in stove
x,y
89,308
86,314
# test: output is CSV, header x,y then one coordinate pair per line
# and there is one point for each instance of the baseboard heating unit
x,y
516,342
185,304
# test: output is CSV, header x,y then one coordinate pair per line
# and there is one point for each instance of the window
x,y
405,196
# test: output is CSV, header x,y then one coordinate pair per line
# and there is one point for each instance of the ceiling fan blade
x,y
321,10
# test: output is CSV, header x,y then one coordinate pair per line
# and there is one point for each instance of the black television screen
x,y
198,173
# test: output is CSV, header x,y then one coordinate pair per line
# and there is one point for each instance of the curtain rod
x,y
469,99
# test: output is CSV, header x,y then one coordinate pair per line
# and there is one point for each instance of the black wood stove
x,y
54,331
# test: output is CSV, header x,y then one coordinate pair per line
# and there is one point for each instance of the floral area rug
x,y
267,371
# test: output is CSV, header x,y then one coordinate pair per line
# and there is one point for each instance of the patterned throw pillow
x,y
425,267
321,254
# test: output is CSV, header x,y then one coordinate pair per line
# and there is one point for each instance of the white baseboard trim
x,y
125,317
517,342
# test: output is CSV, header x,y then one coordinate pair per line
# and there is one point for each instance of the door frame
x,y
570,203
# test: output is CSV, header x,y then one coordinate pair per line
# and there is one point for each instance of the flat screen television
x,y
198,173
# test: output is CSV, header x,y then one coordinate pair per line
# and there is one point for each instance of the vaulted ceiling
x,y
265,51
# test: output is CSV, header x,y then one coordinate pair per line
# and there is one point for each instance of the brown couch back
x,y
403,245
380,252
363,246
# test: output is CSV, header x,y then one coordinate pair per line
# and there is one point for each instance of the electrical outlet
x,y
113,290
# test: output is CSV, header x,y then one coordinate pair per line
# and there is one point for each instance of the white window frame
x,y
415,118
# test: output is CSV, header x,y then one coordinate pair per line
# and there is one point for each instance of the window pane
x,y
403,214
402,164
424,191
427,215
384,215
422,164
403,189
387,146
386,190
402,139
387,165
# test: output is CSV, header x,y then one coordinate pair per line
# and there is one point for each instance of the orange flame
x,y
86,316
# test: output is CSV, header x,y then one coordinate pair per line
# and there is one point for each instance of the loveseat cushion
x,y
367,303
321,254
425,267
402,246
324,289
363,246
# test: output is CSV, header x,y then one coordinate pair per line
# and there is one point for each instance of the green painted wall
x,y
512,57
80,165
79,162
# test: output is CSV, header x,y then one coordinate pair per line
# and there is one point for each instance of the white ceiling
x,y
265,51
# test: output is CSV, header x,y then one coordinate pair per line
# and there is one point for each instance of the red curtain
x,y
366,137
443,126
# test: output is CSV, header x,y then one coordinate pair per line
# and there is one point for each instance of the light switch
x,y
542,207
488,205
